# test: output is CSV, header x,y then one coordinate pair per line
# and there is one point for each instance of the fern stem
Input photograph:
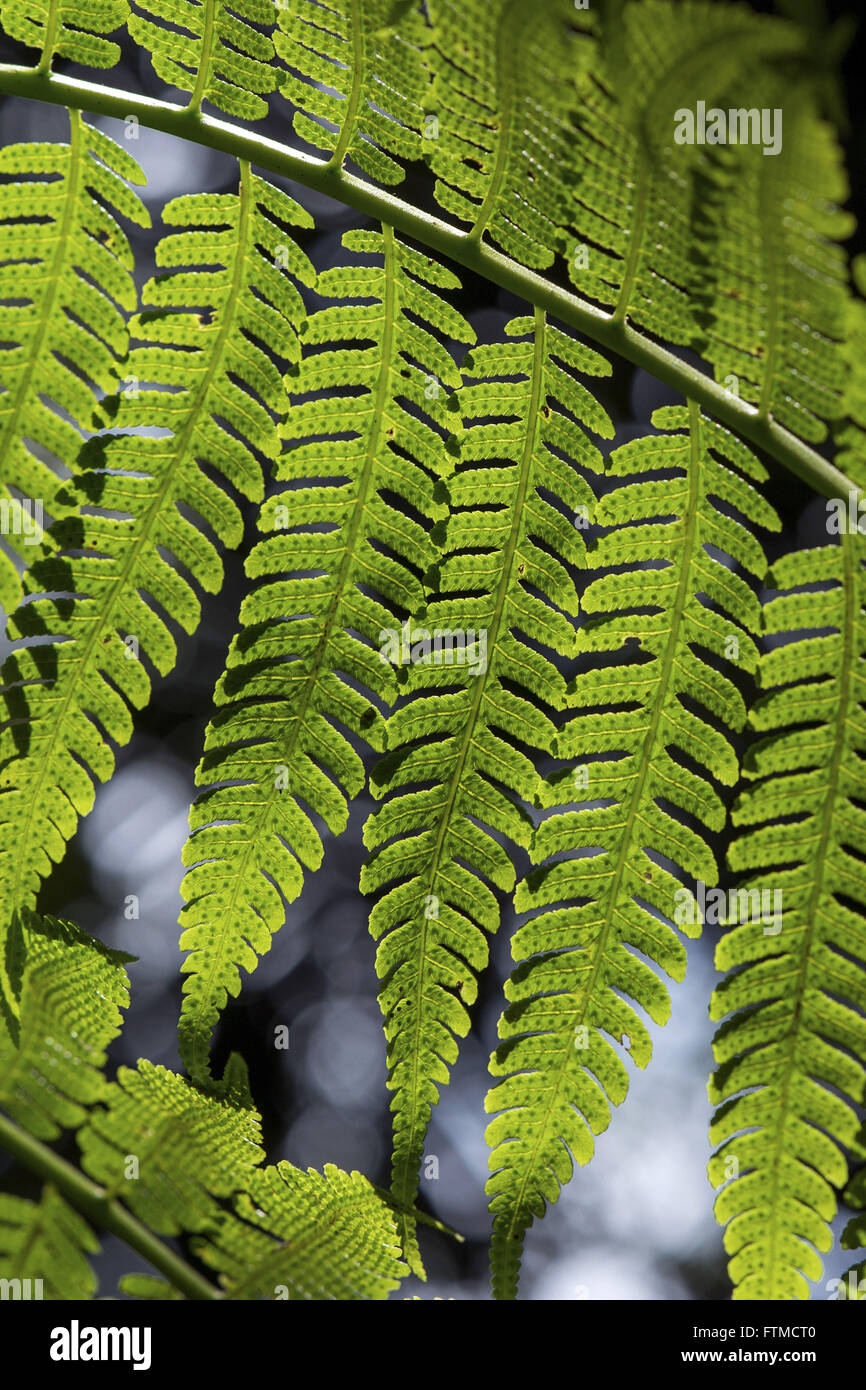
x,y
103,1211
448,241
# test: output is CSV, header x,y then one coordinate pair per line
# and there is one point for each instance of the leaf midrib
x,y
504,112
205,66
347,129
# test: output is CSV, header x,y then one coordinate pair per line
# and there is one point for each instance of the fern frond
x,y
358,86
505,580
502,97
306,1235
59,1009
168,1150
70,29
213,49
46,1243
777,284
216,396
350,543
648,759
66,278
791,1047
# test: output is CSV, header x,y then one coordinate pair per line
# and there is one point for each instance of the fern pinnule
x,y
793,1034
206,382
456,774
646,767
66,286
148,1287
357,85
349,543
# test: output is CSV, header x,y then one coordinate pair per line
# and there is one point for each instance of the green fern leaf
x,y
174,1154
789,1073
298,1235
66,279
216,395
506,571
501,147
47,1243
345,557
577,962
212,49
66,28
358,86
61,996
635,241
168,1150
777,284
632,248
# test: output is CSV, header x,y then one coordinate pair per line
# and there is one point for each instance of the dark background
x,y
637,1223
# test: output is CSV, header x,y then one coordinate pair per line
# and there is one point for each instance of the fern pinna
x,y
563,673
562,1074
793,1003
68,260
285,694
214,51
126,509
358,86
433,849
